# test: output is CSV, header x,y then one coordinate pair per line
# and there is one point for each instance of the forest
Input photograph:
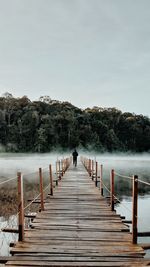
x,y
46,125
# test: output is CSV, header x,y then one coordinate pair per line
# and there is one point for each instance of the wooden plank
x,y
4,259
75,263
70,258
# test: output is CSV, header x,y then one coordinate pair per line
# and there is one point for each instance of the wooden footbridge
x,y
77,228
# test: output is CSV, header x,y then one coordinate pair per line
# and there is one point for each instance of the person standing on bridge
x,y
75,155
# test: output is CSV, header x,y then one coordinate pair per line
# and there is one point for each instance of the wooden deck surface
x,y
77,228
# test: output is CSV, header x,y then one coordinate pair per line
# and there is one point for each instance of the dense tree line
x,y
44,125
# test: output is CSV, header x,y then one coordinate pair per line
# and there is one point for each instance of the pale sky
x,y
87,52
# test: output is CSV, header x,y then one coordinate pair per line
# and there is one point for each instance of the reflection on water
x,y
7,238
125,209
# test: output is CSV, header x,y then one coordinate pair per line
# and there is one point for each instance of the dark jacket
x,y
75,154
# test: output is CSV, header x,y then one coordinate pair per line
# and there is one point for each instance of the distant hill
x,y
44,125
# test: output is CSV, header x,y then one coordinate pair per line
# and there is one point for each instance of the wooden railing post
x,y
86,163
65,164
62,167
96,172
41,188
59,170
101,180
92,169
20,207
112,190
89,167
51,180
135,208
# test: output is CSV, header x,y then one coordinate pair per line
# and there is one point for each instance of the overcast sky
x,y
87,52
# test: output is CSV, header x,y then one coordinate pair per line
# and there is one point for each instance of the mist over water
x,y
11,163
126,165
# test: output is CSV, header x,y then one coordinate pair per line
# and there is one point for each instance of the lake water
x,y
126,165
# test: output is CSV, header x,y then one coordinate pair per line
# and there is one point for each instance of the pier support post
x,y
112,190
51,180
92,169
20,207
62,167
41,188
135,208
101,180
96,171
59,169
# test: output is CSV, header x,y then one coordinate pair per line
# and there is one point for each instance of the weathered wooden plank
x,y
4,259
72,258
64,247
97,241
62,243
75,263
